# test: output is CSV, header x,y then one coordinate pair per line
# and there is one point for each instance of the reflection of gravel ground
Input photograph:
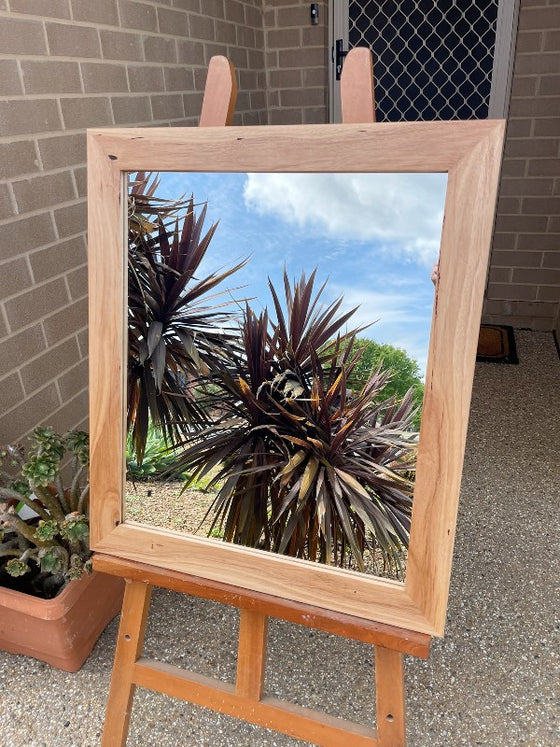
x,y
161,504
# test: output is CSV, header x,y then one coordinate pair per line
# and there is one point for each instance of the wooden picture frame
x,y
470,154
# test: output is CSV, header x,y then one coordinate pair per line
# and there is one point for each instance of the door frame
x,y
502,70
338,29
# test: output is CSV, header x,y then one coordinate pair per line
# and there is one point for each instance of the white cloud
x,y
401,212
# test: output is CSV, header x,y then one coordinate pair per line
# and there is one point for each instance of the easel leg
x,y
251,654
130,642
389,686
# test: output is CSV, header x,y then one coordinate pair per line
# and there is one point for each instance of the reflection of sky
x,y
374,237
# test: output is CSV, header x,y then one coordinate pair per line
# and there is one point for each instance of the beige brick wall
x,y
296,62
524,280
66,65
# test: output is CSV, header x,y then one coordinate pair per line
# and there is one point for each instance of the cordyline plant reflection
x,y
307,466
175,330
303,462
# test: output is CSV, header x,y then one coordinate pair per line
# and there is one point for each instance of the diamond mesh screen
x,y
431,60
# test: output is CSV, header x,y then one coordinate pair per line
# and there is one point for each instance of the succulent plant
x,y
44,529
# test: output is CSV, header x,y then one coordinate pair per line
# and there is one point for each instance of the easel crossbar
x,y
272,713
244,700
347,626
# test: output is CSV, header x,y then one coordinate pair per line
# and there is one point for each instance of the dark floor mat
x,y
496,344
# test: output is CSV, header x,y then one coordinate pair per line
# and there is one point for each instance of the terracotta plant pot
x,y
61,631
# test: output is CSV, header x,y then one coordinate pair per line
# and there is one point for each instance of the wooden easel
x,y
245,699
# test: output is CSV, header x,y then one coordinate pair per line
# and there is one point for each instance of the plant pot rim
x,y
47,609
61,631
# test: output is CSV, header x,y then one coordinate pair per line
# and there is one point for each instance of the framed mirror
x,y
241,239
291,195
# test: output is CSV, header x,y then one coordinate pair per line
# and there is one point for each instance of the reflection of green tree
x,y
405,371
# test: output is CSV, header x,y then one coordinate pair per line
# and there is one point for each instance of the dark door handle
x,y
339,55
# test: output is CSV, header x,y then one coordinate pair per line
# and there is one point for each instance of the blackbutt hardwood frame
x,y
470,154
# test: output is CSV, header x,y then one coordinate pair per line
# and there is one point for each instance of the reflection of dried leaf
x,y
308,477
139,225
154,336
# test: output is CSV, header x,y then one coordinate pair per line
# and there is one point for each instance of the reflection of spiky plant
x,y
308,468
175,331
52,545
346,487
157,458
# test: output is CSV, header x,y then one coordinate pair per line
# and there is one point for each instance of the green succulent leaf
x,y
40,479
46,530
53,560
77,442
75,527
76,568
16,567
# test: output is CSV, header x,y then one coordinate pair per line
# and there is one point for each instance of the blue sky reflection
x,y
374,237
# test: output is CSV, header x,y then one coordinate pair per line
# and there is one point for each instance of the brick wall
x,y
66,65
69,64
524,281
296,62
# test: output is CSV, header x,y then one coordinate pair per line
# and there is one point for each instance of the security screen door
x,y
432,60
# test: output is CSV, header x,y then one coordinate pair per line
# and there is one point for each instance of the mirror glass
x,y
276,323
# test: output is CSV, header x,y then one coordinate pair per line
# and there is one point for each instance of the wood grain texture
x,y
389,698
470,153
130,642
381,147
466,237
107,355
220,93
347,626
356,87
303,723
251,654
351,593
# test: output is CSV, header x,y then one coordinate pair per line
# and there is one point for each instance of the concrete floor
x,y
493,680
